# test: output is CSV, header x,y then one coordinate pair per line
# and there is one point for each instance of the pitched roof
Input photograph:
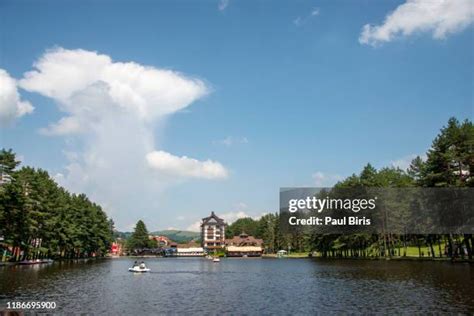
x,y
243,240
191,244
209,219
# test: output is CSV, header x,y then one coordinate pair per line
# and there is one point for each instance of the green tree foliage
x,y
449,163
266,228
33,208
8,161
243,225
139,238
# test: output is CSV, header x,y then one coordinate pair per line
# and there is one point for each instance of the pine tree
x,y
139,238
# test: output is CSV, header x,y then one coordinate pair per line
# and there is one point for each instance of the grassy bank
x,y
408,253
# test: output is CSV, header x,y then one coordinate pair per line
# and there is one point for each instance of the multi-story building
x,y
213,233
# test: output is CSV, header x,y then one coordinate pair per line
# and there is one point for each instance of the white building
x,y
213,233
190,252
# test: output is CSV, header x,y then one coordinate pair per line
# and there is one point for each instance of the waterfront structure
x,y
244,246
244,251
244,240
213,233
170,252
190,252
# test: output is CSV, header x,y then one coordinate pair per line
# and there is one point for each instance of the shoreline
x,y
299,256
264,256
20,263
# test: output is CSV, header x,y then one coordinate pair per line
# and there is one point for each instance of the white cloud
x,y
404,162
66,125
439,17
195,227
301,20
223,4
241,206
184,166
112,111
11,105
231,217
322,179
229,141
89,85
298,21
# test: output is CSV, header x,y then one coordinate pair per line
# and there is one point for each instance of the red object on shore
x,y
115,249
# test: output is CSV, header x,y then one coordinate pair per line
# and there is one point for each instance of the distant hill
x,y
179,236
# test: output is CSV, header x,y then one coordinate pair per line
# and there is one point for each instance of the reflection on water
x,y
244,286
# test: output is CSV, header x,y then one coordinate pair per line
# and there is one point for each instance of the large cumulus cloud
x,y
111,110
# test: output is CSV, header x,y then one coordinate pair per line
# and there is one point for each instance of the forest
x,y
40,219
448,163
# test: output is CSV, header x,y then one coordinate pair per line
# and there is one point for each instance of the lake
x,y
244,286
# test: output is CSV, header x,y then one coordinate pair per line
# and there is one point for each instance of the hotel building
x,y
213,233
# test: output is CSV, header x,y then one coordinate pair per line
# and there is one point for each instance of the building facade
x,y
244,251
213,233
190,252
244,240
244,246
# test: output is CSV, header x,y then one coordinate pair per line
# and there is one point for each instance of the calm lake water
x,y
244,286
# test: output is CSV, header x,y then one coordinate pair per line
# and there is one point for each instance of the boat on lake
x,y
139,269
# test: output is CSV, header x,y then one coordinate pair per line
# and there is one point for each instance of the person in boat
x,y
142,265
135,264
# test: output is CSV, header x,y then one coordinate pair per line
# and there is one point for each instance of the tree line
x,y
449,163
40,219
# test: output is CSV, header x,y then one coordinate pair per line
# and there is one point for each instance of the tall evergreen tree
x,y
139,238
42,219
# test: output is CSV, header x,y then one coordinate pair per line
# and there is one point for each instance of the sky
x,y
168,110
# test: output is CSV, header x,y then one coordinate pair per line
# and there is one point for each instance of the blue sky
x,y
294,96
